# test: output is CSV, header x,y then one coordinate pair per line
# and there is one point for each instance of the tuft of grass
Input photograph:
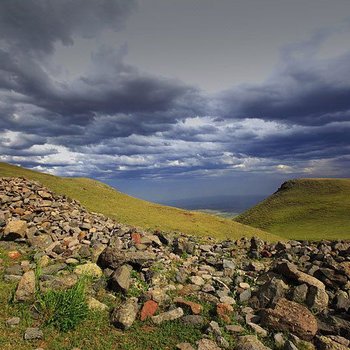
x,y
64,309
304,209
101,198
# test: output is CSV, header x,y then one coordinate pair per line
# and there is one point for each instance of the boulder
x,y
15,229
207,344
288,316
317,299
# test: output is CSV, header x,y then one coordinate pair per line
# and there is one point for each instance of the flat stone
x,y
33,333
168,316
325,343
13,321
234,329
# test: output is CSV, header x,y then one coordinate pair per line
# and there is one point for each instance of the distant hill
x,y
304,209
99,197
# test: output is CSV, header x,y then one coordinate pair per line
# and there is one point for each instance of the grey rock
x,y
168,316
33,333
120,280
193,320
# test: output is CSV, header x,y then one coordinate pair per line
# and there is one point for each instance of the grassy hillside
x,y
98,197
305,209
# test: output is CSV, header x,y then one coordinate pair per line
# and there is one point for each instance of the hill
x,y
101,198
312,209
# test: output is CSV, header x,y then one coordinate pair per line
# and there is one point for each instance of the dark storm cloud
x,y
36,25
113,120
313,92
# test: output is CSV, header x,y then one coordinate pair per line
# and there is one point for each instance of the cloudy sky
x,y
174,99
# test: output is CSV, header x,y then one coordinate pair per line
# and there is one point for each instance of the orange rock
x,y
14,254
224,311
149,309
136,237
195,307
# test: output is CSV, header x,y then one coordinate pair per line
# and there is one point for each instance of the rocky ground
x,y
244,294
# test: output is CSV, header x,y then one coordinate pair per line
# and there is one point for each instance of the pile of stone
x,y
294,295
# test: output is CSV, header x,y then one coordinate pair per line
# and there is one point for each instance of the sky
x,y
177,99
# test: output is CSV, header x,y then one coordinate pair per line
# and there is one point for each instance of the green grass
x,y
64,309
310,209
99,197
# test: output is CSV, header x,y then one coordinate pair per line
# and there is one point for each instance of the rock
x,y
124,316
291,271
33,334
13,321
120,280
53,269
214,328
227,300
26,287
197,280
193,320
279,340
343,301
113,259
250,342
14,254
224,311
271,291
257,329
245,295
288,316
15,229
207,344
288,345
300,293
168,316
149,309
234,329
94,304
194,307
89,269
324,343
317,299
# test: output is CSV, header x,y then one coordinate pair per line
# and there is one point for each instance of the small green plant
x,y
138,286
64,309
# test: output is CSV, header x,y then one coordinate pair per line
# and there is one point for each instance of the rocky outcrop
x,y
287,293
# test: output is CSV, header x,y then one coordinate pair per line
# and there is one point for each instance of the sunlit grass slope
x,y
101,198
305,209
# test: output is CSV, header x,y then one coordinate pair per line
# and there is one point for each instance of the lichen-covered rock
x,y
124,316
15,229
168,316
288,316
250,342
